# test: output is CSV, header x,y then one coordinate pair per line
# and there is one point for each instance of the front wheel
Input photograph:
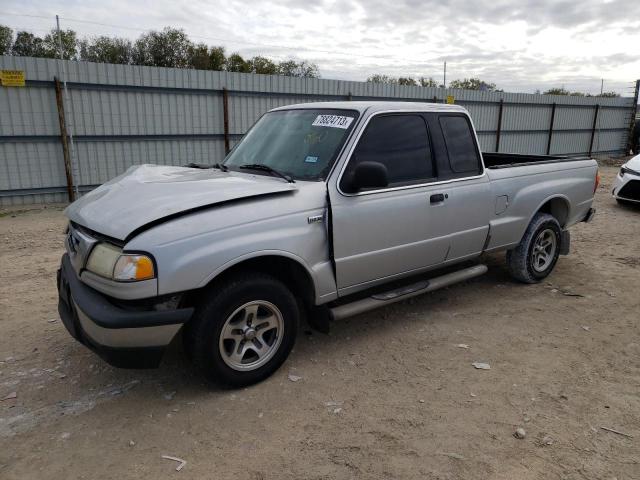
x,y
243,330
537,253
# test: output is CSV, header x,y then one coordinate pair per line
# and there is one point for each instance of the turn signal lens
x,y
595,188
133,268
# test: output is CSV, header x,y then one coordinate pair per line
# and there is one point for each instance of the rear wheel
x,y
243,330
537,254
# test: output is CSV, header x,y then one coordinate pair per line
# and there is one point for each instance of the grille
x,y
631,190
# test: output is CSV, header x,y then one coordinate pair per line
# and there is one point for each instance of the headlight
x,y
625,170
108,261
103,258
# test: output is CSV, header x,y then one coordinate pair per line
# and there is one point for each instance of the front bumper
x,y
123,338
627,187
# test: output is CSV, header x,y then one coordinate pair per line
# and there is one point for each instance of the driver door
x,y
383,233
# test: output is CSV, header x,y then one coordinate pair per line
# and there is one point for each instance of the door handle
x,y
437,197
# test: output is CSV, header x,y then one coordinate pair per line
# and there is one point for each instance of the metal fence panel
x,y
122,115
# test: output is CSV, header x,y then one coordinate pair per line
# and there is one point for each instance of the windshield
x,y
302,144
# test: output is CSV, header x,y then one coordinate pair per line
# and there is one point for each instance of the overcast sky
x,y
519,45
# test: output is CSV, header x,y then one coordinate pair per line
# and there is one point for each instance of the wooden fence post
x,y
499,131
553,118
64,140
593,129
225,110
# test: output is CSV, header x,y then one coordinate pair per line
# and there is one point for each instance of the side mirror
x,y
368,175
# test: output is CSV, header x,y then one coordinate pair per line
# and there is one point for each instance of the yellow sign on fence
x,y
12,78
451,99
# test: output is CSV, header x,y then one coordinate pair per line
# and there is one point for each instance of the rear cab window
x,y
460,146
401,143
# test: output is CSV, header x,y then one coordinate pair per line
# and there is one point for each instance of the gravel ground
x,y
388,394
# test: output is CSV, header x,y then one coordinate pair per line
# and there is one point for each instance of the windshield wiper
x,y
205,166
221,166
267,168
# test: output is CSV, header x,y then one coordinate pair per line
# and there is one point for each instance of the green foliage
x,y
27,45
217,59
428,82
407,81
51,46
6,40
263,65
199,56
473,84
422,81
291,68
377,78
557,91
564,91
167,48
235,63
106,50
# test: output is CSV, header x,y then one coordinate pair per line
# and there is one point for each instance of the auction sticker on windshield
x,y
333,121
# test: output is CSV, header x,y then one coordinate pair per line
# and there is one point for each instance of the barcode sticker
x,y
333,121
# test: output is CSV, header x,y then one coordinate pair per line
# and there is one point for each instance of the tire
x,y
526,263
234,315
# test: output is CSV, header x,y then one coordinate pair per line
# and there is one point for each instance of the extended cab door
x,y
468,202
379,234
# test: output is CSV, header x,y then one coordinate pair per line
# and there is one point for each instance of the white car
x,y
627,185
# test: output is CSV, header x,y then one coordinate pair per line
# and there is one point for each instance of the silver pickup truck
x,y
322,211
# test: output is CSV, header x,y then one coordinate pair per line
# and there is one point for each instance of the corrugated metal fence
x,y
120,115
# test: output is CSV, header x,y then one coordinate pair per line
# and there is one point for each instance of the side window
x,y
461,146
399,142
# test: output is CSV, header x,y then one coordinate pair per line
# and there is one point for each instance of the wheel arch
x,y
284,266
557,206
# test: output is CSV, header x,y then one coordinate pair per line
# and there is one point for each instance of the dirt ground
x,y
388,394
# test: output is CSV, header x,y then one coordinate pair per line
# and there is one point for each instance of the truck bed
x,y
507,160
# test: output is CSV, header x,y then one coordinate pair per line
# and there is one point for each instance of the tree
x,y
557,91
6,39
199,56
263,65
291,68
27,45
428,82
608,94
235,63
473,84
217,59
167,48
407,81
106,50
378,78
51,45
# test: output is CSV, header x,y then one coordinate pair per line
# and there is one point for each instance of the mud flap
x,y
565,242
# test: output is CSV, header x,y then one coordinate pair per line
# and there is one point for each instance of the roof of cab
x,y
377,106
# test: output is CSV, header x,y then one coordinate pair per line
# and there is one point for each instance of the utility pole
x,y
601,85
72,148
444,82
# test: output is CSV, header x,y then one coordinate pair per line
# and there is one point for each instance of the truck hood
x,y
146,194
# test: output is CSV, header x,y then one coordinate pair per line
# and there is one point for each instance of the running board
x,y
387,298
